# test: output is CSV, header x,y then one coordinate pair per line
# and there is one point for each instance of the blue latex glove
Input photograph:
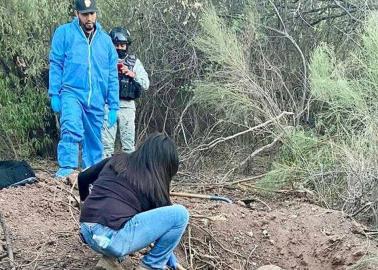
x,y
55,103
172,262
112,118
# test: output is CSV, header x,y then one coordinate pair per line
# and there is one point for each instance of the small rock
x,y
293,241
241,203
358,254
357,228
338,260
264,222
334,239
272,217
205,222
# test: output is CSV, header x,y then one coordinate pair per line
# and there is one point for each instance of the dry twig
x,y
223,139
70,201
255,153
8,242
247,179
190,246
219,243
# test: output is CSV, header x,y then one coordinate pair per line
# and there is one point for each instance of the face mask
x,y
121,54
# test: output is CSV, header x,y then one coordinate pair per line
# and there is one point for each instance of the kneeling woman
x,y
128,206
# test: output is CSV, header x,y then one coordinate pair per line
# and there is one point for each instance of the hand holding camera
x,y
123,69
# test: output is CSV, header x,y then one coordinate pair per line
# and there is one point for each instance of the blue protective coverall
x,y
84,75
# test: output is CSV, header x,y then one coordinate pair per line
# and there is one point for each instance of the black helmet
x,y
120,35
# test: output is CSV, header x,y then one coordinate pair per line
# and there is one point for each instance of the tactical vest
x,y
129,89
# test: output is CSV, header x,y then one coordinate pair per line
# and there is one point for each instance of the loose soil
x,y
291,233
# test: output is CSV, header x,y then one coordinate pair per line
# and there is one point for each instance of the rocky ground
x,y
288,232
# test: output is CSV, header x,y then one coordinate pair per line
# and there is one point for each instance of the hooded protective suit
x,y
83,74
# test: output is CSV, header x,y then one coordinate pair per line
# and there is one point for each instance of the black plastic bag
x,y
15,173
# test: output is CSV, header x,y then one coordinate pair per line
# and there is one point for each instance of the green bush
x,y
306,161
23,114
26,28
230,87
337,160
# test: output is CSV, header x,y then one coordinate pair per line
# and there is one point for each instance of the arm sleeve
x,y
113,84
141,75
56,59
87,177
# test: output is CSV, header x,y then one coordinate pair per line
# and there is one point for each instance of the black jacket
x,y
112,200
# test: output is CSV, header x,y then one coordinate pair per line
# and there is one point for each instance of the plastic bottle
x,y
101,240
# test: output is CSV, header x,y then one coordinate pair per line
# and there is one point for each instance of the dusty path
x,y
293,234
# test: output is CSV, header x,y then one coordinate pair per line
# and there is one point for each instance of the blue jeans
x,y
163,226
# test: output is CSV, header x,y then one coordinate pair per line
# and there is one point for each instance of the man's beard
x,y
89,27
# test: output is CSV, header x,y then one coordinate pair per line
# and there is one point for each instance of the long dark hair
x,y
150,168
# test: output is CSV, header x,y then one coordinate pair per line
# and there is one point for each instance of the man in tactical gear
x,y
133,80
83,78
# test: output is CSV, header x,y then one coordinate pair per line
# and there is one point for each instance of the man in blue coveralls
x,y
83,77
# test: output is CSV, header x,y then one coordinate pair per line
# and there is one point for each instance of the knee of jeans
x,y
182,214
86,235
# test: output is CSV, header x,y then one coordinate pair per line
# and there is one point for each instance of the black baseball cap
x,y
85,6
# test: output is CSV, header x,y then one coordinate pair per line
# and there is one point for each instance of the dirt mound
x,y
293,235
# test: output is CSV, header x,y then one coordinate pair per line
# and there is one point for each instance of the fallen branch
x,y
70,202
180,267
213,218
365,207
247,179
8,242
200,196
223,139
279,191
255,153
2,256
372,233
190,246
219,243
249,256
